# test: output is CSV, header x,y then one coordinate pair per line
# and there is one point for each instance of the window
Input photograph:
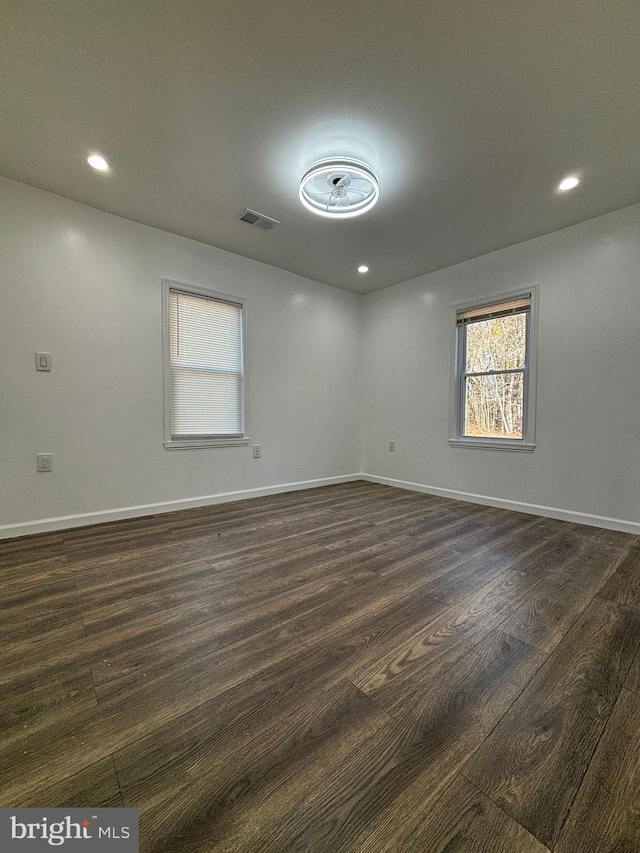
x,y
204,367
495,374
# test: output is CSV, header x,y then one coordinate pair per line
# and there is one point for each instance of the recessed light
x,y
568,183
98,162
363,268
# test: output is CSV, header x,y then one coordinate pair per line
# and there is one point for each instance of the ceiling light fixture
x,y
339,187
568,183
98,162
363,268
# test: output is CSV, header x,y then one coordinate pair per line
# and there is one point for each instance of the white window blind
x,y
488,312
206,363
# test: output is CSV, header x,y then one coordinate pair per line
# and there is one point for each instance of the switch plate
x,y
43,361
257,451
45,462
392,445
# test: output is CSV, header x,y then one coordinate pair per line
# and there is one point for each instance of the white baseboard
x,y
517,506
65,522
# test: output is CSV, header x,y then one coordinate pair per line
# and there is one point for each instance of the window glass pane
x,y
497,344
493,405
205,333
205,402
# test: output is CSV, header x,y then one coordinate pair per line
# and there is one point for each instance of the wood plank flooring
x,y
352,668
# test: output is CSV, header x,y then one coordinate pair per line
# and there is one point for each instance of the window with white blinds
x,y
206,368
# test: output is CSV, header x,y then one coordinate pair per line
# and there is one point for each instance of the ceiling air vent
x,y
252,217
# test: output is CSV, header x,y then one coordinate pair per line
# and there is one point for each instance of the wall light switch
x,y
392,445
43,361
257,451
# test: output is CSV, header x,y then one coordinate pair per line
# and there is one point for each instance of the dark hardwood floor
x,y
353,668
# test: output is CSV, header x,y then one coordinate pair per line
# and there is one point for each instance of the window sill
x,y
492,444
211,442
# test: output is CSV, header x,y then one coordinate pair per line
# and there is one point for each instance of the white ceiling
x,y
471,112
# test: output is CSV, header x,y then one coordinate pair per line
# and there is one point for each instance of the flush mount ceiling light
x,y
363,268
339,188
98,162
568,183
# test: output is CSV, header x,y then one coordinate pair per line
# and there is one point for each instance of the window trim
x,y
530,380
198,443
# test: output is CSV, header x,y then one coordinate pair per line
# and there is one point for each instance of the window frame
x,y
457,438
196,443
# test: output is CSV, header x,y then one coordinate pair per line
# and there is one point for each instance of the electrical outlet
x,y
257,451
45,462
392,445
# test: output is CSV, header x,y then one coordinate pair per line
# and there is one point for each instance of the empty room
x,y
319,448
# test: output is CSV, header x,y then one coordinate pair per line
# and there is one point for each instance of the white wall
x,y
587,458
85,286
